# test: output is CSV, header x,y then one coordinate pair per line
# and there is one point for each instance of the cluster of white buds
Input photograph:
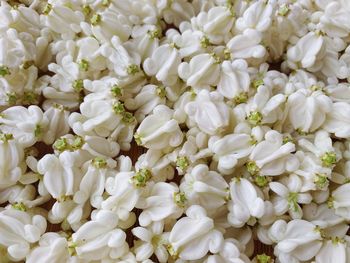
x,y
238,112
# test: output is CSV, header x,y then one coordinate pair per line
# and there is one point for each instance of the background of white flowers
x,y
240,110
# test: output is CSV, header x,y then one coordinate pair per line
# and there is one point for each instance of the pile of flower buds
x,y
242,108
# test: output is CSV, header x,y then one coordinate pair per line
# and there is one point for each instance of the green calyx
x,y
301,132
172,252
228,194
227,54
204,42
321,181
106,2
319,33
72,248
95,19
69,5
27,64
236,180
38,131
257,83
321,231
59,106
11,98
29,98
5,137
77,143
116,90
39,176
138,139
47,9
156,240
255,118
4,71
283,10
161,92
132,69
61,144
287,139
263,258
83,65
64,198
86,10
180,199
127,117
315,88
231,9
252,168
78,85
261,181
173,45
99,163
241,98
330,202
329,159
253,140
118,107
338,240
193,94
216,58
293,201
19,206
182,163
153,34
141,178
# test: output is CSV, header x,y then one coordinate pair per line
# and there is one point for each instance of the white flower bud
x,y
307,110
289,197
99,238
163,201
234,79
27,125
332,21
159,130
121,60
209,112
52,248
204,187
163,64
124,194
257,16
335,249
192,237
107,24
298,240
20,230
146,100
215,24
62,20
307,53
247,45
272,156
176,12
339,201
58,124
11,161
338,121
201,72
152,240
230,149
246,202
18,49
